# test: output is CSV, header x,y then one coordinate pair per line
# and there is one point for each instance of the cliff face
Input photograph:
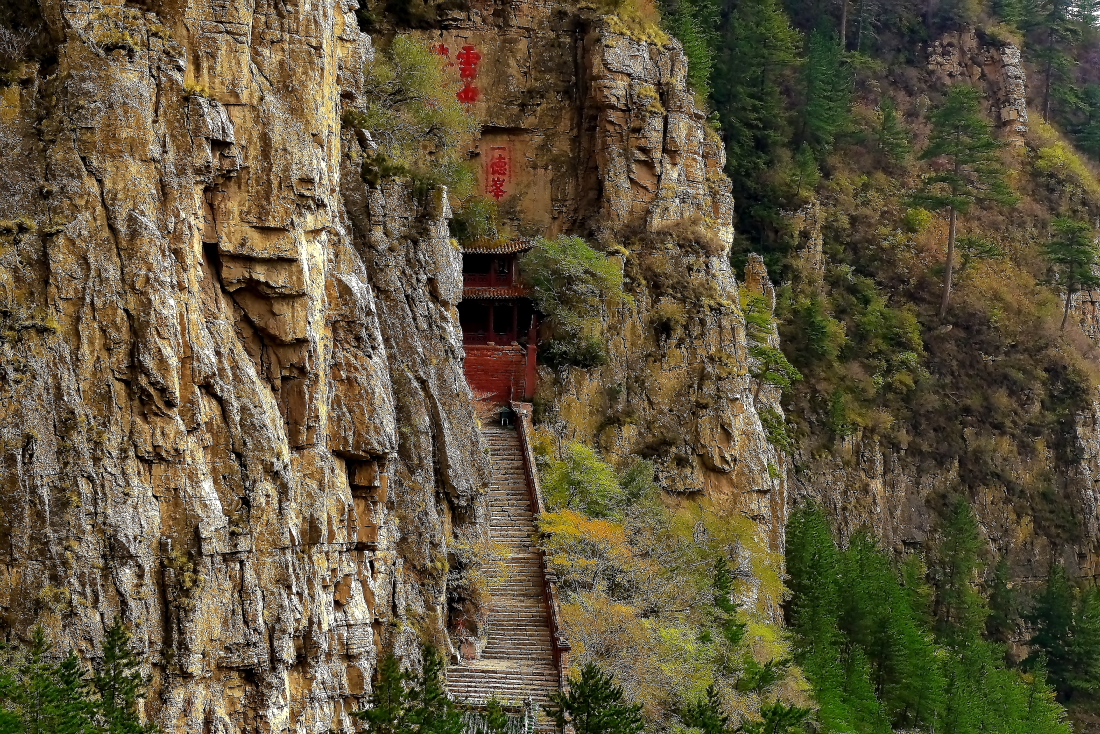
x,y
233,404
233,408
602,137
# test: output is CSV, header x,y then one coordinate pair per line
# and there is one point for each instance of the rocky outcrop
x,y
998,67
233,408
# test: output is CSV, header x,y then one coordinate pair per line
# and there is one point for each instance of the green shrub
x,y
917,220
572,285
412,113
775,428
475,220
581,481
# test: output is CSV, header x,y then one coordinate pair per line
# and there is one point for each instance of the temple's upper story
x,y
495,306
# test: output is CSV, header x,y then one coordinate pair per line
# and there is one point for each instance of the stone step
x,y
517,661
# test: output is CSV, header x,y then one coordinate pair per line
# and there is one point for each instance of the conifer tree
x,y
757,49
496,718
1073,256
777,718
594,704
1003,605
893,139
118,681
1052,22
962,138
1067,635
407,703
695,24
72,709
827,84
385,711
706,714
733,630
1010,12
960,608
1087,132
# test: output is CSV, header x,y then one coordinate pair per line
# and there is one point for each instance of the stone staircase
x,y
518,660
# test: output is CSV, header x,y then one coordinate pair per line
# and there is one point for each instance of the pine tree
x,y
757,50
432,711
960,609
1003,605
893,139
1073,256
1052,22
695,24
1087,132
1067,635
707,715
827,84
733,630
118,681
594,704
385,710
406,703
72,710
813,565
961,137
496,718
777,718
1011,12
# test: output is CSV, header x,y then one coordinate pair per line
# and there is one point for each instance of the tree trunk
x,y
844,25
1065,314
950,264
1049,72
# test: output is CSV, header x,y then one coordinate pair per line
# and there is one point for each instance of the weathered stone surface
x,y
600,136
961,56
231,414
232,407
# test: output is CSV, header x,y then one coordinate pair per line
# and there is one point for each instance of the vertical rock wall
x,y
232,408
224,418
591,129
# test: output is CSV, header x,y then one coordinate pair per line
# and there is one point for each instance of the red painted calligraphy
x,y
498,171
498,166
468,94
468,59
441,49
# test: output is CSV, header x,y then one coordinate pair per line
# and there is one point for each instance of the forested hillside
x,y
932,240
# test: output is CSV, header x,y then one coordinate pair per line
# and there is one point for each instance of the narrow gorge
x,y
271,400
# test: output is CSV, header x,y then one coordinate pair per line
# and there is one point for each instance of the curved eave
x,y
508,248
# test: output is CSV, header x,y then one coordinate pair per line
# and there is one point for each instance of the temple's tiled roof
x,y
512,291
521,244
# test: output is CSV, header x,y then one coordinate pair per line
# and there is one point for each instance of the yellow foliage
x,y
1062,164
483,568
584,552
724,532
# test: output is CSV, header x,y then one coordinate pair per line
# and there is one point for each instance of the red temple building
x,y
499,324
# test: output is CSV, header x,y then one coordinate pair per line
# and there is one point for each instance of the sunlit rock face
x,y
232,404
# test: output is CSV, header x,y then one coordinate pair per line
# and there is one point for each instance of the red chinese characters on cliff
x,y
468,59
498,171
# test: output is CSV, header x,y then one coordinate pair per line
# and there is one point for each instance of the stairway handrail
x,y
558,637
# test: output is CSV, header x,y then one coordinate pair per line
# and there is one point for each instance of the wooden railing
x,y
557,632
